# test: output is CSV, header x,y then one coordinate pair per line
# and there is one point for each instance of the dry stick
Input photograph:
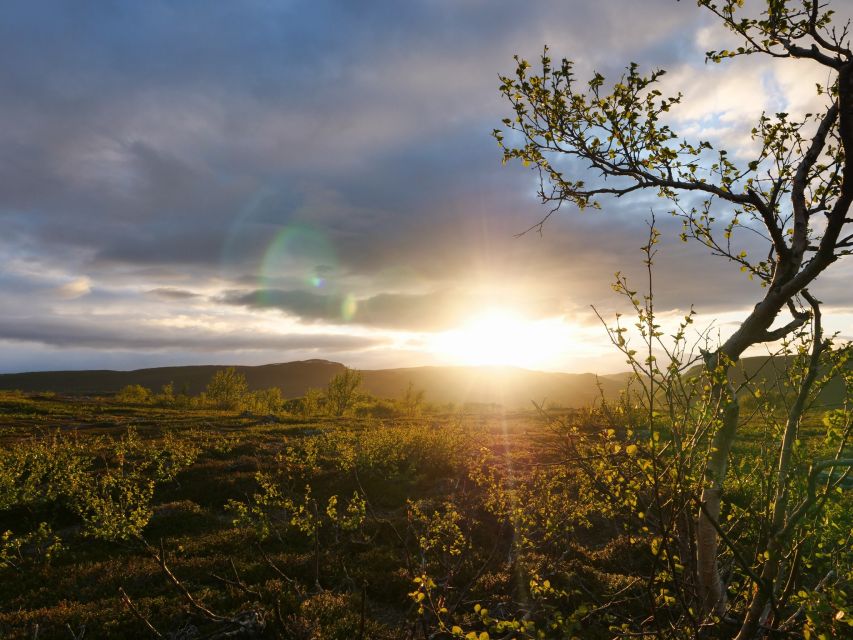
x,y
278,617
74,635
126,599
316,546
274,567
238,582
161,560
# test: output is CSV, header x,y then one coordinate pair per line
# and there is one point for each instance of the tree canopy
x,y
589,140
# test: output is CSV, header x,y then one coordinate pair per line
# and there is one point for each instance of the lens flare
x,y
349,307
299,264
305,254
299,252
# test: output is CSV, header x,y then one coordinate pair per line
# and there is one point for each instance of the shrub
x,y
311,403
166,397
412,404
227,389
134,394
265,401
108,484
369,406
342,391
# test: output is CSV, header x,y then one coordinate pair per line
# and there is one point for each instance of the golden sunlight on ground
x,y
505,338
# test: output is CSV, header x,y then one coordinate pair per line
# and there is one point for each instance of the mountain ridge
x,y
510,387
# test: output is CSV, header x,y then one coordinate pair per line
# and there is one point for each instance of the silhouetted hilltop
x,y
507,386
510,387
293,378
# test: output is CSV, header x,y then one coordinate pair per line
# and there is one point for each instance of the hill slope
x,y
507,386
293,378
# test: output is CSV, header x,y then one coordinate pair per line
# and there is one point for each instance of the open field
x,y
424,460
435,526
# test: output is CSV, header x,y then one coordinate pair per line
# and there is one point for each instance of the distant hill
x,y
507,386
765,372
510,387
293,378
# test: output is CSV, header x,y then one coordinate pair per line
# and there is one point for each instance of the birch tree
x,y
589,140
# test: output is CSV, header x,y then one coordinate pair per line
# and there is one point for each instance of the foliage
x,y
687,467
522,525
227,389
311,403
368,406
108,484
42,543
166,397
412,405
134,394
265,401
341,393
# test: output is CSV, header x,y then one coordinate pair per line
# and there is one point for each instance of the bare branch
x,y
161,560
798,198
823,42
781,332
126,599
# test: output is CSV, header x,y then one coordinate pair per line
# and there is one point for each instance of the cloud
x,y
303,304
74,289
169,154
169,293
433,311
119,334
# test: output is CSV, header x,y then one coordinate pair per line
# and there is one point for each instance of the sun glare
x,y
501,337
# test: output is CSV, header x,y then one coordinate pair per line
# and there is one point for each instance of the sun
x,y
501,337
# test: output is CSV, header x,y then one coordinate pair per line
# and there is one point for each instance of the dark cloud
x,y
145,132
432,311
173,294
396,311
119,334
304,304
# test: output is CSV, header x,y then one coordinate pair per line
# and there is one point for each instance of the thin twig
x,y
161,560
237,582
126,599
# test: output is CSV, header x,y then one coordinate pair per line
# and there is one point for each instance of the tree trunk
x,y
711,589
764,591
752,331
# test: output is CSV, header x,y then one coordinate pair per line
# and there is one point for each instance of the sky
x,y
272,180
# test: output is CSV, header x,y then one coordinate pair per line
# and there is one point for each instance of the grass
x,y
330,527
388,462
